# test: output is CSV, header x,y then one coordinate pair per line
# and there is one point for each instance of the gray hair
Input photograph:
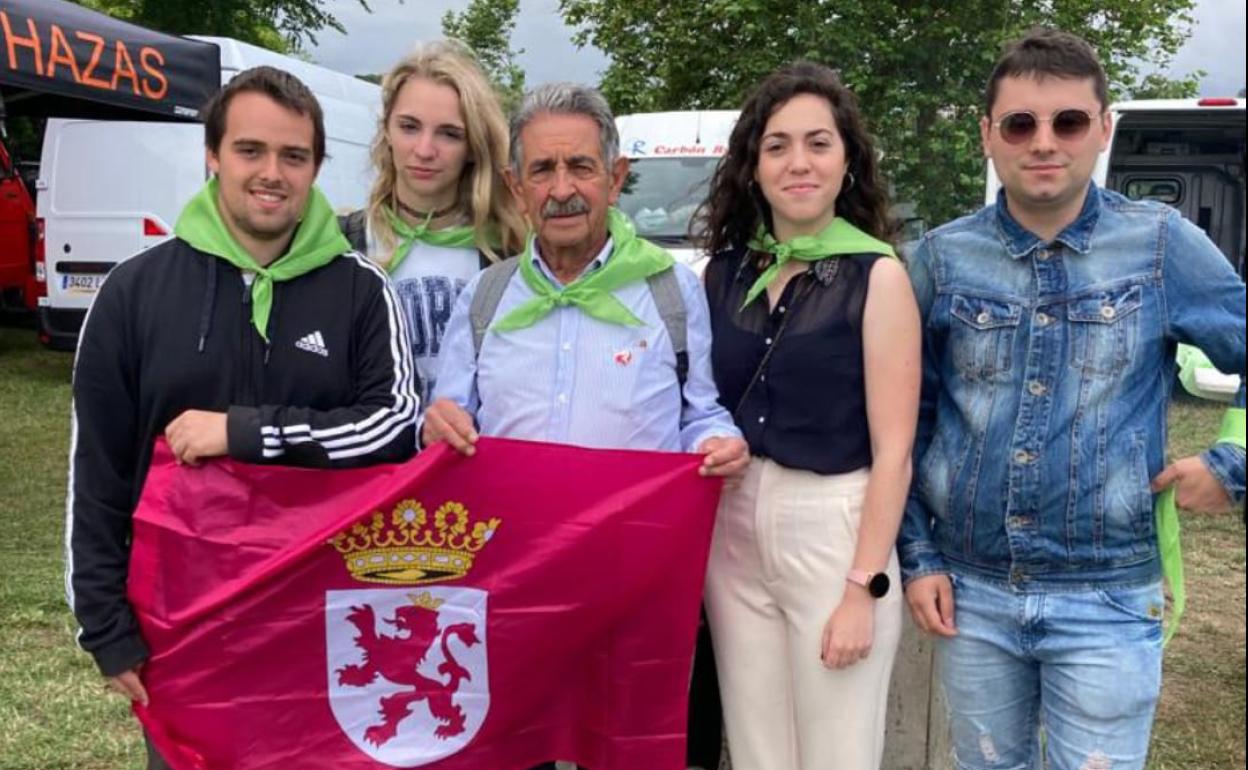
x,y
566,99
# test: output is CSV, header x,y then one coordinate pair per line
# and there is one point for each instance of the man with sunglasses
x,y
1051,321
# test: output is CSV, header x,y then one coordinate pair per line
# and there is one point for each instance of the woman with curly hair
x,y
816,352
439,210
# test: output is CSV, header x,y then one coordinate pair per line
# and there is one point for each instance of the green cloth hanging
x,y
1167,513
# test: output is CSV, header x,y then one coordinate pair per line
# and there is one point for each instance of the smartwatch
x,y
876,583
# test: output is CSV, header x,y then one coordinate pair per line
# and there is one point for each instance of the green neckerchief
x,y
1232,432
837,239
456,237
632,259
317,240
1171,558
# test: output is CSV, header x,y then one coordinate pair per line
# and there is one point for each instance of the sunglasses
x,y
1021,126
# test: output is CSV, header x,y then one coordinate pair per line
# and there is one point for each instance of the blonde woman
x,y
439,210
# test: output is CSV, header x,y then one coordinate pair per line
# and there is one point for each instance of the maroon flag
x,y
532,602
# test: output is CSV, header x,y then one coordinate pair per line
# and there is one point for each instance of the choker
x,y
422,216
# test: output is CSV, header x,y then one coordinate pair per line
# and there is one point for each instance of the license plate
x,y
81,284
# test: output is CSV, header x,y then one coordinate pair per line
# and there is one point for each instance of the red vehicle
x,y
18,237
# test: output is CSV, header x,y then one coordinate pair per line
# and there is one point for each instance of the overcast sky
x,y
375,41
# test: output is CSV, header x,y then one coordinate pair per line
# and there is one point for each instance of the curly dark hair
x,y
734,206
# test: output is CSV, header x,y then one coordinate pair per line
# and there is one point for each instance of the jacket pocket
x,y
982,336
1103,330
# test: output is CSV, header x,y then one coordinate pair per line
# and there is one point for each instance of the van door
x,y
1192,160
108,190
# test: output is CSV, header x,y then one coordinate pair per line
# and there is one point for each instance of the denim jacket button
x,y
1043,319
983,318
1036,388
1042,255
1022,456
1108,312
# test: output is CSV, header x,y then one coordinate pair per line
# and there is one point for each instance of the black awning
x,y
54,55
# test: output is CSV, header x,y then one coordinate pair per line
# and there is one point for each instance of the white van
x,y
672,156
1188,153
110,189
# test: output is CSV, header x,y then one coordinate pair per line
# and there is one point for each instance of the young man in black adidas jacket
x,y
255,333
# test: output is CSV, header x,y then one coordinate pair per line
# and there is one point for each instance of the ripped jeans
x,y
1082,667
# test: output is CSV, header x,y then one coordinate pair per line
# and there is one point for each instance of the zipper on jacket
x,y
247,390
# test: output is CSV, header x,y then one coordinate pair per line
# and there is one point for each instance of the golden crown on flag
x,y
426,600
406,548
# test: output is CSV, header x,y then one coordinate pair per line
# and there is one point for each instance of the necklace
x,y
422,216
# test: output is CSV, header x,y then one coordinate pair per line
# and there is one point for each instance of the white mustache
x,y
574,205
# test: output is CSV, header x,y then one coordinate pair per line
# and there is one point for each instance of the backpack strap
x,y
489,293
355,227
665,288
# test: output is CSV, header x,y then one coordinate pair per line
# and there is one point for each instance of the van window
x,y
1162,190
662,194
114,167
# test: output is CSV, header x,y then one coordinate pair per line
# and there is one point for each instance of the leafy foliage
x,y
1157,86
918,66
280,25
485,26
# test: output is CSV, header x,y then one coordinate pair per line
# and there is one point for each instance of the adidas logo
x,y
313,343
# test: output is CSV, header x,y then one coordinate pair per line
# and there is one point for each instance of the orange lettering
x,y
31,42
59,52
159,91
124,68
87,74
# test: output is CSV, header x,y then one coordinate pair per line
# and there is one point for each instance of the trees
x,y
917,66
1157,86
485,26
282,25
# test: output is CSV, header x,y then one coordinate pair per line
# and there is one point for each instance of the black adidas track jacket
x,y
171,330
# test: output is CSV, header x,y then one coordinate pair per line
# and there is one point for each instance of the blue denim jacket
x,y
1047,369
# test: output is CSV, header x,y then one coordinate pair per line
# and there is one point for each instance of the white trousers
x,y
784,541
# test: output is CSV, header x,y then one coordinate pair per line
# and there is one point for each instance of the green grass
x,y
1200,721
54,709
55,712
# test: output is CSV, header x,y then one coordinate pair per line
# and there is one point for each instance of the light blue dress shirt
x,y
572,379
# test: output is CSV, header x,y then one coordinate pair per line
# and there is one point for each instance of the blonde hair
x,y
493,214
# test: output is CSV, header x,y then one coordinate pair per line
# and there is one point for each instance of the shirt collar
x,y
594,264
1019,241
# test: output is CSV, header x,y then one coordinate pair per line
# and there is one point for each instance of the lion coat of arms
x,y
408,680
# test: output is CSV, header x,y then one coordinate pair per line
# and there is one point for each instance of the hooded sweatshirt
x,y
327,381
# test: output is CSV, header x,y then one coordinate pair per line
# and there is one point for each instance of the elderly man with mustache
x,y
576,341
592,336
